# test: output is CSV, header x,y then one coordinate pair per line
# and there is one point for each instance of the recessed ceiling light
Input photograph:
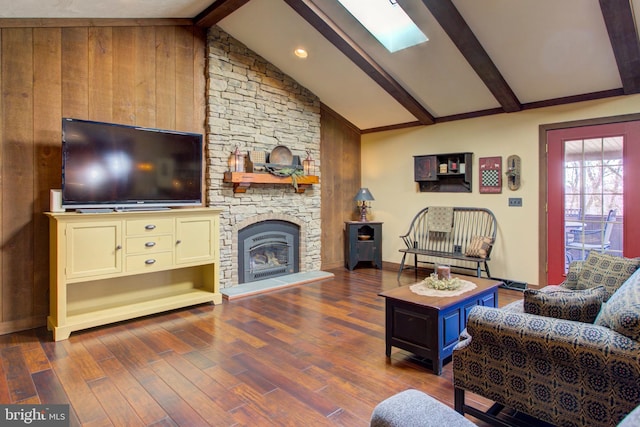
x,y
301,53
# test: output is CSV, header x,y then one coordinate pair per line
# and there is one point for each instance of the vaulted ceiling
x,y
482,57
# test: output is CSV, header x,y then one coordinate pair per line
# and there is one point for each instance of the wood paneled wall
x,y
340,162
147,75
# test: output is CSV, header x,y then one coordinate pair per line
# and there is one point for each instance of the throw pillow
x,y
479,246
622,312
580,306
571,281
607,270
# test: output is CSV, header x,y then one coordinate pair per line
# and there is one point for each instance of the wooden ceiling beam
x,y
459,32
217,11
321,22
619,19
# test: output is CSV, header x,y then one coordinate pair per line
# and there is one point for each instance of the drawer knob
x,y
150,244
178,241
150,261
118,247
150,227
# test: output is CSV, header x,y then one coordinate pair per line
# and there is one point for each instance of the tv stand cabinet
x,y
109,267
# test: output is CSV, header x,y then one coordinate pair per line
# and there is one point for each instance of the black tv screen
x,y
107,165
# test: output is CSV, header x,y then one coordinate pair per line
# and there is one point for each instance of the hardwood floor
x,y
310,355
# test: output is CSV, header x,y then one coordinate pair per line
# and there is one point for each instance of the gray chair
x,y
582,242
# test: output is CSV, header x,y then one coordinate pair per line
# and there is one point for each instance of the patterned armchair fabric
x,y
563,372
553,367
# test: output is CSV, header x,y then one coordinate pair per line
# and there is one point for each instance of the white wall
x,y
387,170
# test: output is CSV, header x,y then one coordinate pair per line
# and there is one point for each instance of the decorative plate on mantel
x,y
281,155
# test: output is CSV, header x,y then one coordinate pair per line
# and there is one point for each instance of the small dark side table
x,y
362,242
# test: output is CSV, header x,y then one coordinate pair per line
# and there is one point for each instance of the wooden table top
x,y
403,293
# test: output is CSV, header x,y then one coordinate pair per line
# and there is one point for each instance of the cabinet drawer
x,y
136,227
154,261
149,244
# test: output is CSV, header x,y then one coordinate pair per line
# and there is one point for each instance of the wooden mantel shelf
x,y
243,180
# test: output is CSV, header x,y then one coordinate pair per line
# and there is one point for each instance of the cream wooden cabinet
x,y
108,267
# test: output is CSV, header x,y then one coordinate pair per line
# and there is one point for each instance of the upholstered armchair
x,y
564,372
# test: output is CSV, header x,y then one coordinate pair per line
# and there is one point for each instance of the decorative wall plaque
x,y
490,174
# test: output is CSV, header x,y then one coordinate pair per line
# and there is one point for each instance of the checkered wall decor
x,y
490,174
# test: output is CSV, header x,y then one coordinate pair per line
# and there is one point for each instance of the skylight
x,y
387,22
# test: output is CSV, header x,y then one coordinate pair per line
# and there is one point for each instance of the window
x,y
387,22
593,194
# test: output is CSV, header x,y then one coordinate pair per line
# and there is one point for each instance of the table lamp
x,y
362,199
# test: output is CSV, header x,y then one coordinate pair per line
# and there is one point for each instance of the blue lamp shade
x,y
363,195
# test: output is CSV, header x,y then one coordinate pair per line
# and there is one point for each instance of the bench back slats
x,y
467,223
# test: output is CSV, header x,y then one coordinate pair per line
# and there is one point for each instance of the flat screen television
x,y
108,165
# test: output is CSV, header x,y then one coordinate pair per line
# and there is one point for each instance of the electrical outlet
x,y
515,201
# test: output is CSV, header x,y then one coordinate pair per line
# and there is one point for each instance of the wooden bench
x,y
457,245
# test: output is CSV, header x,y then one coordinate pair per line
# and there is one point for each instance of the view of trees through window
x,y
593,191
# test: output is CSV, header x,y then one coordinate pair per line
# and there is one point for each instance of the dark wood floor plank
x,y
120,411
129,349
180,411
5,393
17,375
222,376
291,384
51,391
309,355
187,392
83,361
93,345
146,407
161,341
284,409
36,359
216,391
84,402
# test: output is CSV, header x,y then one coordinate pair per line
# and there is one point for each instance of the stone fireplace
x,y
254,106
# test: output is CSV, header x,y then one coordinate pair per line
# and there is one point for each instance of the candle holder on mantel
x,y
363,199
236,161
309,165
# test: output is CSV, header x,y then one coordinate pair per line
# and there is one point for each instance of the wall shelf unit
x,y
450,172
243,180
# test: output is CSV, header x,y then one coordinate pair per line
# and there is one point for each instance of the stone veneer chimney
x,y
252,104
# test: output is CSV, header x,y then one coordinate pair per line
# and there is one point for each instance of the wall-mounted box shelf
x,y
450,172
243,180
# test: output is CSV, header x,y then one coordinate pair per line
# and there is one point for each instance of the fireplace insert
x,y
268,249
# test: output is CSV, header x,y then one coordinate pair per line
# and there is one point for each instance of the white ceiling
x,y
544,50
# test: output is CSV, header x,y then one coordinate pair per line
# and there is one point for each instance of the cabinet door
x,y
195,239
93,249
425,168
